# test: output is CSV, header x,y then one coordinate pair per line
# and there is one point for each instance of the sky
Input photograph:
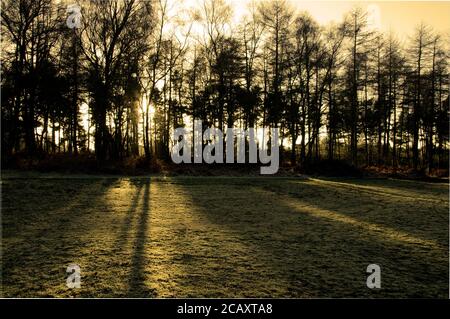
x,y
400,17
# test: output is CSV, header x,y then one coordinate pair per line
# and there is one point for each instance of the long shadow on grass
x,y
32,259
421,219
425,261
54,222
312,256
125,229
137,287
27,203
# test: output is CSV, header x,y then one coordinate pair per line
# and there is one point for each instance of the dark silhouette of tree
x,y
135,70
114,37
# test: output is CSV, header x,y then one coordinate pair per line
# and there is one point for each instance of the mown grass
x,y
223,237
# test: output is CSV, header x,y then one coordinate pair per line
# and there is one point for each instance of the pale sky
x,y
399,16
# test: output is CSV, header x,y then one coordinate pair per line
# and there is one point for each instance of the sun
x,y
147,106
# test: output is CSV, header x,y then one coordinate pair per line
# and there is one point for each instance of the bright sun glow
x,y
145,105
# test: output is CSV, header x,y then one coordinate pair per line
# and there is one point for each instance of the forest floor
x,y
223,236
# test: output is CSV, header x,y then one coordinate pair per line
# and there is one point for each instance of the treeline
x,y
119,81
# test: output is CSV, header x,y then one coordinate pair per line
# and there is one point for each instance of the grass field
x,y
223,237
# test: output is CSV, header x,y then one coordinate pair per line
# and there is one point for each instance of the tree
x,y
419,51
113,31
30,28
359,35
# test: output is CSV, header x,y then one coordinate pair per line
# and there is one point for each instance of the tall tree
x,y
112,32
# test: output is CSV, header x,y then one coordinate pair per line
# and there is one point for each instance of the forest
x,y
110,80
95,95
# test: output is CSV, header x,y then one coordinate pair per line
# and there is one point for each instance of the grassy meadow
x,y
223,236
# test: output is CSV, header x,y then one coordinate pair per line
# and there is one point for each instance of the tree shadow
x,y
137,286
414,215
126,226
36,256
310,256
